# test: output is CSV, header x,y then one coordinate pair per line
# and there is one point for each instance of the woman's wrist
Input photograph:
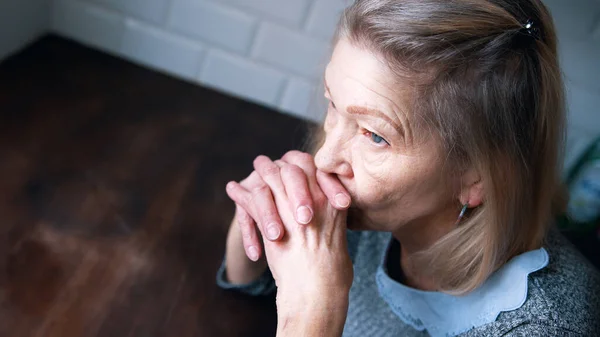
x,y
315,316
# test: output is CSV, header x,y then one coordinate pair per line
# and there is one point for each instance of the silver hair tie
x,y
531,29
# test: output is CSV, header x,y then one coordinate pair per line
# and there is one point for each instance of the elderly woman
x,y
427,209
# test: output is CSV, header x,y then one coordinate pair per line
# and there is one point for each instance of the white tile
x,y
580,61
299,98
291,50
161,50
324,16
223,26
290,12
242,78
88,24
574,19
153,11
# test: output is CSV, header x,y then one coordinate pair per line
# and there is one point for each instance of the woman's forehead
x,y
355,76
349,60
358,69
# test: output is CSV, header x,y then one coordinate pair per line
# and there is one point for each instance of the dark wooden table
x,y
113,214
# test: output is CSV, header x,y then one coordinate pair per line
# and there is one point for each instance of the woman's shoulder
x,y
569,287
562,299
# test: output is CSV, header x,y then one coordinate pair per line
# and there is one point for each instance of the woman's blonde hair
x,y
491,91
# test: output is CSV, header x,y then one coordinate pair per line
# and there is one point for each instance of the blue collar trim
x,y
447,315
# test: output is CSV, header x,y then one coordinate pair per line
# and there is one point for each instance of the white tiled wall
x,y
21,21
272,52
268,51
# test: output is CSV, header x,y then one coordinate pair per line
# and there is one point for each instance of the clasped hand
x,y
300,213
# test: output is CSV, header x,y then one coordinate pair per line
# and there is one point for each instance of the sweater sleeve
x,y
540,330
264,285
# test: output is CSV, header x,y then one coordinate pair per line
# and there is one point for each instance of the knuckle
x,y
290,155
258,187
245,199
304,198
291,170
239,196
257,161
298,157
260,190
247,235
243,218
245,229
271,170
305,158
265,166
292,152
260,159
253,180
269,213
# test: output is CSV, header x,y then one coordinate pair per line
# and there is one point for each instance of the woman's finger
x,y
296,187
297,194
306,162
334,190
247,226
252,181
269,173
259,204
337,195
301,159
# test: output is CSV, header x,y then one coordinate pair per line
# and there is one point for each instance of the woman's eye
x,y
377,139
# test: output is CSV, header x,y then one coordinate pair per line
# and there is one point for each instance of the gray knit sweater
x,y
562,299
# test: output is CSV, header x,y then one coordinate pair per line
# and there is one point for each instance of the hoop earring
x,y
462,213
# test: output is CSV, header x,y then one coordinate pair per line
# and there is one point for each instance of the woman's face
x,y
393,173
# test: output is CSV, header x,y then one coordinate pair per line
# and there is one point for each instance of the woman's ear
x,y
471,189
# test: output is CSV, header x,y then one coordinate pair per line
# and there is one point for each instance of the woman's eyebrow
x,y
359,110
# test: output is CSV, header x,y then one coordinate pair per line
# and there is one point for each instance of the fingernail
x,y
273,232
304,215
253,253
342,200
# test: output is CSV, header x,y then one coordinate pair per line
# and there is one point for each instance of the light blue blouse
x,y
447,315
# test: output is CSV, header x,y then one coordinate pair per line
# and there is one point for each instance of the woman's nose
x,y
331,158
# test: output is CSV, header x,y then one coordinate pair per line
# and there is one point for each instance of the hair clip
x,y
531,30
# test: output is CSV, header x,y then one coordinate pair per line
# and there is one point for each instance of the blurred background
x,y
268,51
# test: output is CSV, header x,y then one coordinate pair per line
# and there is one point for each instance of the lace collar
x,y
446,315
